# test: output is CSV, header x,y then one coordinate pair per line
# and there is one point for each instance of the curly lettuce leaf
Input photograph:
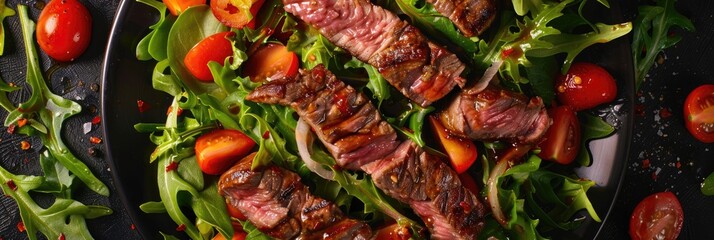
x,y
651,34
379,86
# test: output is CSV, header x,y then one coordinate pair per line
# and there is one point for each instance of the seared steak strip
x,y
471,17
423,71
279,205
406,173
495,113
344,119
432,189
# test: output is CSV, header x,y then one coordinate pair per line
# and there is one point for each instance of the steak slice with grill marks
x,y
496,113
423,71
279,205
432,189
471,17
344,119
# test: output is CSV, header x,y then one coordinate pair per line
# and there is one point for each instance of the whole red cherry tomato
x,y
585,86
658,216
64,29
699,113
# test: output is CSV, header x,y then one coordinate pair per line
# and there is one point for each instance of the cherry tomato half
x,y
699,113
234,16
393,232
271,61
585,86
461,151
64,29
178,6
218,150
562,140
658,216
214,48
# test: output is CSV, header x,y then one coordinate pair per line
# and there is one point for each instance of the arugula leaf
x,y
379,86
50,110
65,217
651,34
535,37
153,45
57,178
5,11
425,17
591,127
415,118
253,232
565,195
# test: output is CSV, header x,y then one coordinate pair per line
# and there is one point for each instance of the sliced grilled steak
x,y
278,204
471,17
420,69
432,189
344,119
495,113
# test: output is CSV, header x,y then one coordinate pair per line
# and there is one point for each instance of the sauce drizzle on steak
x,y
471,17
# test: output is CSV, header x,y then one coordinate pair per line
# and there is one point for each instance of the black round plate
x,y
127,80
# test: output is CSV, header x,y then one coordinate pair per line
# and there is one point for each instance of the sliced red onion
x,y
492,186
488,75
304,139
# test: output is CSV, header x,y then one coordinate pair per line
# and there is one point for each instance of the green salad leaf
x,y
153,45
591,127
5,11
651,34
65,217
48,111
708,185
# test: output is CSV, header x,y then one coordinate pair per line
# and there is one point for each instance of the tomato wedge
x,y
271,61
218,150
699,113
178,6
214,48
658,216
461,151
585,86
469,183
562,140
236,13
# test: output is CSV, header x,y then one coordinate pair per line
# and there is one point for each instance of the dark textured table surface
x,y
677,162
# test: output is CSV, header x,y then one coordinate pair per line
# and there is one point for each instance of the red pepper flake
x,y
640,110
181,227
11,129
25,145
172,166
646,164
133,227
266,135
142,105
678,165
21,122
11,184
95,140
21,226
171,109
507,53
61,236
96,120
654,176
665,113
